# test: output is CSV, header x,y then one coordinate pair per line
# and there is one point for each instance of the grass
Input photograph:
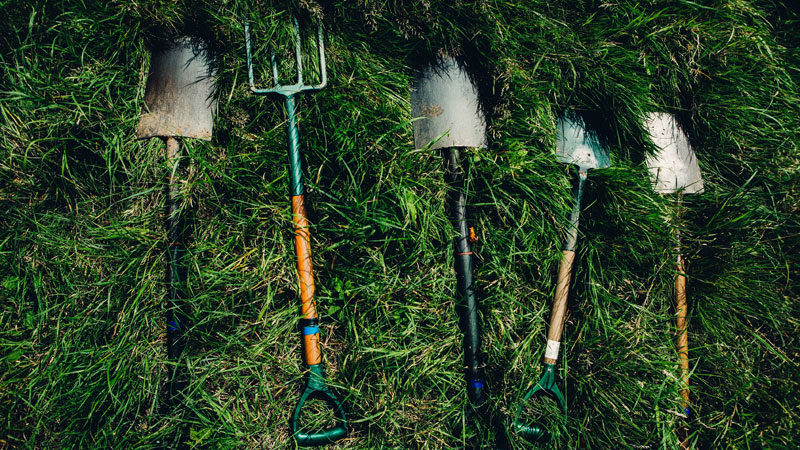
x,y
82,243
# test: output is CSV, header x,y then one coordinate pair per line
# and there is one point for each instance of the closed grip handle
x,y
548,387
323,437
532,432
316,388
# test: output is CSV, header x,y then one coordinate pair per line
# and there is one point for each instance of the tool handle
x,y
302,242
532,432
323,437
176,273
683,338
296,186
466,301
559,312
547,387
305,273
571,238
316,388
312,355
470,326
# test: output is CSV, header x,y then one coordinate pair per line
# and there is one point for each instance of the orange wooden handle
x,y
305,273
559,312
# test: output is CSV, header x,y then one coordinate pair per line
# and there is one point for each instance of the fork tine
x,y
321,51
249,55
274,64
298,55
299,86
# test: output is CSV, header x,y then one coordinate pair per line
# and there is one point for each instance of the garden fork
x,y
315,382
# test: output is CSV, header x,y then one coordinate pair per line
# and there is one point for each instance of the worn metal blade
x,y
674,168
179,97
574,145
445,104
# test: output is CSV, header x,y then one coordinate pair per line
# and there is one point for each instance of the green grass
x,y
82,295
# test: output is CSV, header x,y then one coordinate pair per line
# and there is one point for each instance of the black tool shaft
x,y
176,273
466,301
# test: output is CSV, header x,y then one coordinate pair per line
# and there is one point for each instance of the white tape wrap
x,y
552,349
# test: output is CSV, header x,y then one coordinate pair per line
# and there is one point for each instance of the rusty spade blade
x,y
674,168
179,97
448,102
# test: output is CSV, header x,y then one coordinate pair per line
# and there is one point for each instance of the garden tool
x,y
315,386
179,102
674,170
444,102
574,145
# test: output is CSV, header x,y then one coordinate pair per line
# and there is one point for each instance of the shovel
x,y
674,170
445,103
179,102
312,355
574,145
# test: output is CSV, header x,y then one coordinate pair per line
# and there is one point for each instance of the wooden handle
x,y
683,338
559,311
305,273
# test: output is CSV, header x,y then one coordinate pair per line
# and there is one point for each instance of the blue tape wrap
x,y
477,383
310,330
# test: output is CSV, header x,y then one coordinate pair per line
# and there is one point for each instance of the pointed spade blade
x,y
447,102
674,168
574,145
179,97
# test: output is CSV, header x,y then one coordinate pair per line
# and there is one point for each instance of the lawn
x,y
83,298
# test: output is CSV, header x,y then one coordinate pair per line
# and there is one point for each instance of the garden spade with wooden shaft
x,y
179,102
674,170
574,145
444,103
312,355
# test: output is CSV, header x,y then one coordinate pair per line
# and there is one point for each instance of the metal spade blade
x,y
179,97
448,101
674,168
574,145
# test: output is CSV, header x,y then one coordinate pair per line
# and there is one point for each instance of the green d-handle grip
x,y
547,385
316,388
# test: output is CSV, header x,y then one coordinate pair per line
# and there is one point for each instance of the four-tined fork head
x,y
292,89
